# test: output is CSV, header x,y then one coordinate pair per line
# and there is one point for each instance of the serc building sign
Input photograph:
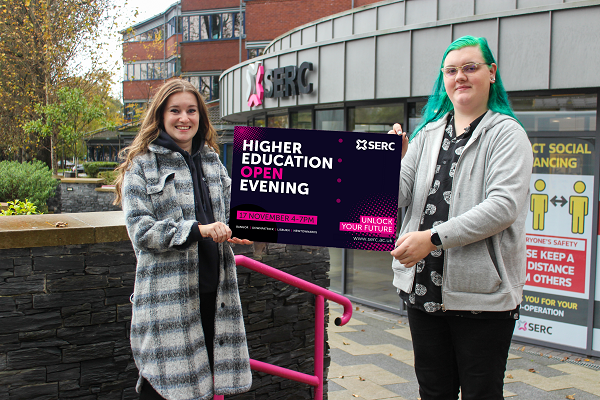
x,y
285,82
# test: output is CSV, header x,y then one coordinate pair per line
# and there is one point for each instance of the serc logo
x,y
254,76
374,145
526,326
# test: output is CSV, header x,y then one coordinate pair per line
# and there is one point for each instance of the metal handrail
x,y
315,380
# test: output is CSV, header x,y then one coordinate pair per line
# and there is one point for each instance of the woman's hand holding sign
x,y
397,130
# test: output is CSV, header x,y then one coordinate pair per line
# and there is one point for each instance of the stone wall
x,y
64,322
81,195
65,315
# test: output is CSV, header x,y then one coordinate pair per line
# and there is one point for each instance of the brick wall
x,y
193,5
217,55
267,19
65,316
140,90
138,51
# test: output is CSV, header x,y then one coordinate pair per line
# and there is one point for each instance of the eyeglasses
x,y
469,68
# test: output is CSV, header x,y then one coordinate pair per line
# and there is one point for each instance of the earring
x,y
493,79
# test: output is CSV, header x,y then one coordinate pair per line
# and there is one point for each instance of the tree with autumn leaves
x,y
49,47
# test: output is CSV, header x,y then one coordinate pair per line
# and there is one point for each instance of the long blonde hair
x,y
153,123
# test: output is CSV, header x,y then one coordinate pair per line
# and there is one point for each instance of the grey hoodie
x,y
484,237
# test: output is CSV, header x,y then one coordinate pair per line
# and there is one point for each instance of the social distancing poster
x,y
559,241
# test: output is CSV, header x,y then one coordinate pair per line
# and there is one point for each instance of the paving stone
x,y
553,379
364,388
371,372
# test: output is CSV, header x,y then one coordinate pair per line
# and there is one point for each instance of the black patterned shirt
x,y
426,294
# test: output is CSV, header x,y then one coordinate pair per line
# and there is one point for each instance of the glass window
x,y
378,119
368,277
185,21
194,80
205,88
136,72
238,25
159,70
335,269
556,113
255,53
329,120
278,121
415,114
260,122
301,120
215,26
152,71
144,72
195,28
228,26
171,27
205,26
215,87
227,156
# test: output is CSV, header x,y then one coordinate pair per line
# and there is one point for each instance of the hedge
x,y
28,180
92,168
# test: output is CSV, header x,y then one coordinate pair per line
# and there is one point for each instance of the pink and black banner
x,y
317,188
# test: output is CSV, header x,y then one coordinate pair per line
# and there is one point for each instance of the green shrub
x,y
29,180
109,177
20,208
93,168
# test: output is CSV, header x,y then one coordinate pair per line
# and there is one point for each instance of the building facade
x,y
375,65
199,39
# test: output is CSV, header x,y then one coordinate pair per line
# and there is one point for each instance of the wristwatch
x,y
435,239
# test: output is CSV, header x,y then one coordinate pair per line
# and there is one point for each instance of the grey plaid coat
x,y
166,331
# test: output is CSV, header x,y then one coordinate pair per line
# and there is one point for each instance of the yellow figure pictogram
x,y
578,208
539,205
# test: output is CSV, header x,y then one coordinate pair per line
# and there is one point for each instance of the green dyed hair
x,y
439,103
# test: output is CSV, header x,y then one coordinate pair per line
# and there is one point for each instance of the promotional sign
x,y
321,188
559,241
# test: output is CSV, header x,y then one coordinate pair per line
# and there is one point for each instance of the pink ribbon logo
x,y
258,71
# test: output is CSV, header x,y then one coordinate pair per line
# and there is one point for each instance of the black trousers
x,y
453,353
207,316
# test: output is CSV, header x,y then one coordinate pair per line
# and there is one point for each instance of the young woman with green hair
x,y
460,259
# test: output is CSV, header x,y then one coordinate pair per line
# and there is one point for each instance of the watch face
x,y
435,239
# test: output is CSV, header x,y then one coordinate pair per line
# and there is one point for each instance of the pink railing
x,y
315,380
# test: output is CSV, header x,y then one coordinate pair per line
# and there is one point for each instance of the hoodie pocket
x,y
164,198
471,269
